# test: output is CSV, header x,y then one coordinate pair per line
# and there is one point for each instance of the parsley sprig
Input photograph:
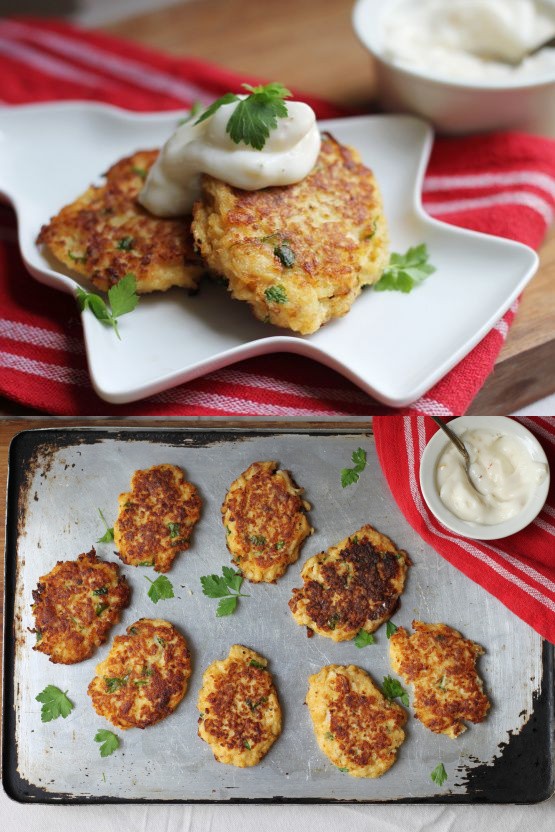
x,y
160,589
109,535
54,703
122,297
390,628
351,475
362,639
405,271
439,775
109,742
226,588
254,116
393,689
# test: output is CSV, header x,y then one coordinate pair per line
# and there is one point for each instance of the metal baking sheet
x,y
59,478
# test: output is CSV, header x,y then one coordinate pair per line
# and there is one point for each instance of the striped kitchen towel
x,y
520,569
501,184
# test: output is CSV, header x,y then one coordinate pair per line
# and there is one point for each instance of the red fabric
x,y
519,570
500,183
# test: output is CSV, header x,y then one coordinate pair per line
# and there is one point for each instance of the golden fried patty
x,y
144,677
75,606
265,521
106,234
441,665
353,586
240,717
298,254
156,518
356,727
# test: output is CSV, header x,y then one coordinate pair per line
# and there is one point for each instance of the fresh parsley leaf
x,y
259,665
393,689
122,297
285,255
405,271
54,703
106,538
254,116
257,539
351,475
439,775
160,589
125,244
109,742
228,588
276,294
390,628
363,638
226,606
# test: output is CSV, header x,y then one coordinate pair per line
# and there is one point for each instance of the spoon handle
x,y
454,438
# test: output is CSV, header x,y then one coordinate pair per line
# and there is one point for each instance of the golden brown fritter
x,y
298,254
156,518
353,586
265,521
240,716
441,665
75,606
106,234
144,677
356,727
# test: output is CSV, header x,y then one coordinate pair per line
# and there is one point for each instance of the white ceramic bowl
x,y
454,106
428,466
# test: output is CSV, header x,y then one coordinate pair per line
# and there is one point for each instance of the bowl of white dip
x,y
446,60
509,470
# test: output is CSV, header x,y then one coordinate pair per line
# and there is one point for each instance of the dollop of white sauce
x,y
290,153
502,470
450,38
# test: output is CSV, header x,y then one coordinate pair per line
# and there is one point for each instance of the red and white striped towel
x,y
519,570
502,184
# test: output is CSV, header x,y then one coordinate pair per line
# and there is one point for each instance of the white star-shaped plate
x,y
394,346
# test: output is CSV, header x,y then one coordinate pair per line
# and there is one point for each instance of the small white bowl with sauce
x,y
442,91
530,493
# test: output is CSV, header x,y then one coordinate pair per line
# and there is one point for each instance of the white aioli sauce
x,y
290,152
502,470
448,38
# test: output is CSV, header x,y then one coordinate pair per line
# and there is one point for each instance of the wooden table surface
x,y
310,45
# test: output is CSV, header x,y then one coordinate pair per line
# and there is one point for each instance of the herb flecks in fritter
x,y
441,665
300,254
156,518
106,234
240,716
356,727
351,588
265,520
144,677
75,606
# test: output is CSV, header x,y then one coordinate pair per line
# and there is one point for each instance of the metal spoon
x,y
460,446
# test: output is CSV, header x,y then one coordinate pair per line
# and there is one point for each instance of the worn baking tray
x,y
57,480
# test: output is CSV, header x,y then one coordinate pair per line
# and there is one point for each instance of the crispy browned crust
x,y
357,728
144,677
75,605
86,236
265,521
156,518
353,586
240,716
441,665
333,222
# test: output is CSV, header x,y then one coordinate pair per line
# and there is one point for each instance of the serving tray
x,y
57,481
